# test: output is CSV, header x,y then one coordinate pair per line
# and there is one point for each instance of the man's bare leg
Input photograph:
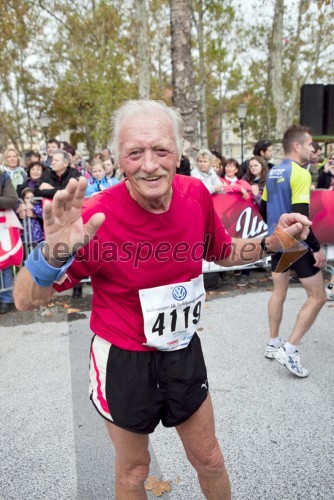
x,y
276,302
132,463
316,298
203,451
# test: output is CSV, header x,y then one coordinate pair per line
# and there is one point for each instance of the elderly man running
x,y
142,243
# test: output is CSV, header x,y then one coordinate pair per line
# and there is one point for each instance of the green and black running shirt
x,y
286,184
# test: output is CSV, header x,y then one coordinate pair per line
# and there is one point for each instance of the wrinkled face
x,y
29,198
148,155
52,148
12,160
230,170
255,167
36,172
204,164
108,166
98,172
58,164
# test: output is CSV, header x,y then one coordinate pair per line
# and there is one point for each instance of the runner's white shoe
x,y
330,293
291,361
270,350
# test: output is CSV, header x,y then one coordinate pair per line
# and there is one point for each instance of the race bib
x,y
172,313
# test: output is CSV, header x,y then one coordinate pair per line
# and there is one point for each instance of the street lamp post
x,y
242,112
44,122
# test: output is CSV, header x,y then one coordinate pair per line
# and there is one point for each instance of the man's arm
x,y
64,229
27,295
292,228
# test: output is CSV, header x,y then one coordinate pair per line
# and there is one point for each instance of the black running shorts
x,y
304,267
137,389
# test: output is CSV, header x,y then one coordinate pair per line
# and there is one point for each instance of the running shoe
x,y
330,293
270,350
291,361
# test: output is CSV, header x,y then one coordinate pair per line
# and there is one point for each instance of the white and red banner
x,y
242,219
11,248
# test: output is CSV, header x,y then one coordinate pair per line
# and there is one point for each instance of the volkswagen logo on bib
x,y
179,293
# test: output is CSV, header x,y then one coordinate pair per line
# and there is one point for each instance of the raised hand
x,y
64,229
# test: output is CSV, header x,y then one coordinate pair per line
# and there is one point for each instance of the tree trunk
x,y
184,95
276,70
203,120
293,108
143,50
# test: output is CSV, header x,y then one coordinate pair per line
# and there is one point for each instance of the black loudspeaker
x,y
312,107
329,110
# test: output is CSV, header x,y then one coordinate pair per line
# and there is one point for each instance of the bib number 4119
x,y
177,319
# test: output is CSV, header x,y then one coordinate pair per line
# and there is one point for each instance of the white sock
x,y
290,348
276,342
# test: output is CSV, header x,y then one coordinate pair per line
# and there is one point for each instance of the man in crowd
x,y
311,164
288,190
144,256
263,148
51,147
58,176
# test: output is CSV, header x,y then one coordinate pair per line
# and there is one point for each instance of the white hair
x,y
149,107
204,152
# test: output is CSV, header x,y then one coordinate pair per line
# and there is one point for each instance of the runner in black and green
x,y
288,190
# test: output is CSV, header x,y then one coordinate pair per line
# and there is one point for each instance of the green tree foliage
x,y
19,83
92,69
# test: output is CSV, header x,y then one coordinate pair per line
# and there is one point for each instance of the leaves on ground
x,y
157,487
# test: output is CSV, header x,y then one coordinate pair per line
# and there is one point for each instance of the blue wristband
x,y
42,273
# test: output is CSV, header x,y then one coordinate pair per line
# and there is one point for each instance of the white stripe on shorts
x,y
97,371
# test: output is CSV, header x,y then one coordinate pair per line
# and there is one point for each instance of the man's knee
x,y
133,475
210,461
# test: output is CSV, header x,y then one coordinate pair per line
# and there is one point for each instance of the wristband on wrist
x,y
42,273
264,246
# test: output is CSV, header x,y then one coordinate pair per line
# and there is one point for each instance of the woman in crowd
x,y
34,172
232,182
218,161
110,171
326,174
205,173
12,166
256,176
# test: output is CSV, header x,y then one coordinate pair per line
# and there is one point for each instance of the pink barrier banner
x,y
321,214
242,219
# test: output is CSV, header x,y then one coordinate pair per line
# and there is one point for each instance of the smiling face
x,y
36,172
148,155
231,170
12,159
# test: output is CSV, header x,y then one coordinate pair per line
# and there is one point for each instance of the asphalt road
x,y
276,431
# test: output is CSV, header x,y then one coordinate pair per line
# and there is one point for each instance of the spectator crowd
x,y
23,185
